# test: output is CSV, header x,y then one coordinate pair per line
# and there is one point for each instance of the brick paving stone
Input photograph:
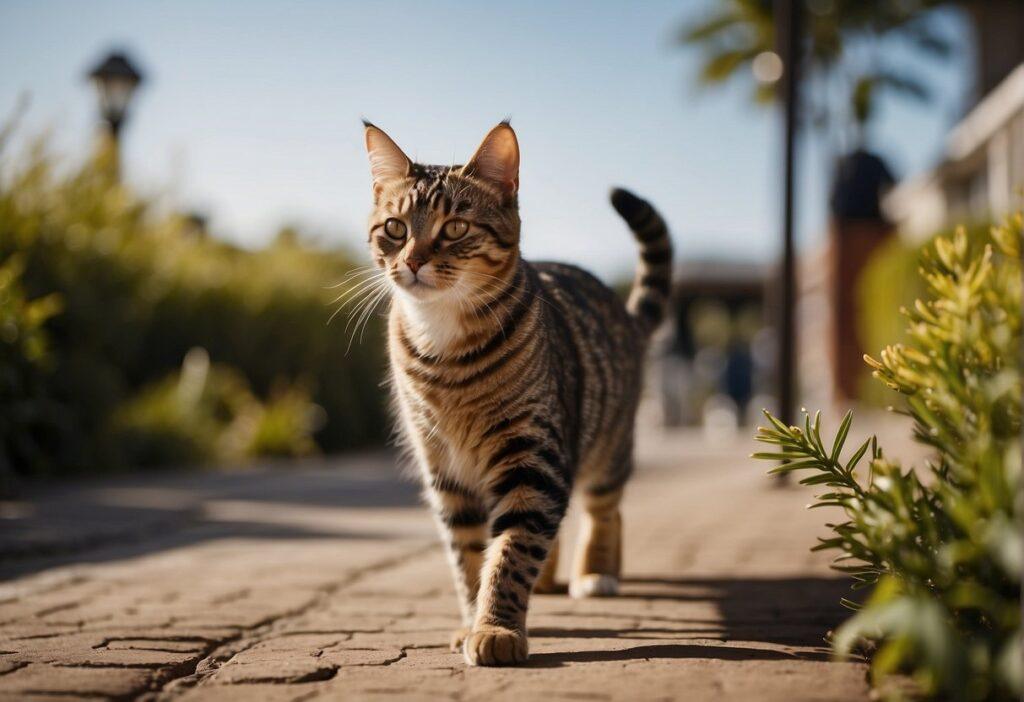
x,y
74,681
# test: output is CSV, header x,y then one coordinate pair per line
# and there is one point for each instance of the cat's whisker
x,y
360,270
434,431
497,320
369,294
372,312
383,295
357,288
500,284
536,293
465,306
496,287
364,318
352,280
356,281
357,299
362,302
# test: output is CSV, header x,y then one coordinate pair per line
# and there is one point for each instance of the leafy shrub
x,y
944,552
208,413
24,358
139,290
888,283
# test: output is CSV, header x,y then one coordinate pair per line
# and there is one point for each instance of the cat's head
x,y
445,232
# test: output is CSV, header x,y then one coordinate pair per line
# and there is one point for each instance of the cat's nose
x,y
414,263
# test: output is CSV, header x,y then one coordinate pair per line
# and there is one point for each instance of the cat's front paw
x,y
458,637
495,645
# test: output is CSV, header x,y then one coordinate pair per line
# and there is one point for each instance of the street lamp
x,y
115,79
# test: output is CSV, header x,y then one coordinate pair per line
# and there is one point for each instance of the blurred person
x,y
738,376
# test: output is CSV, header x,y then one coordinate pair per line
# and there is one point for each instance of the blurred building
x,y
981,174
998,28
979,177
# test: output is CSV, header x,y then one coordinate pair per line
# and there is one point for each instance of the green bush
x,y
208,413
140,289
24,360
944,552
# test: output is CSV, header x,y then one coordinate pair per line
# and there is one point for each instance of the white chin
x,y
419,290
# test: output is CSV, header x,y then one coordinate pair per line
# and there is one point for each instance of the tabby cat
x,y
514,381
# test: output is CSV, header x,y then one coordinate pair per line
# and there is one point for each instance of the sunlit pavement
x,y
324,580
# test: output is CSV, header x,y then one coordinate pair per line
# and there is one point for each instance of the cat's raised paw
x,y
495,645
594,585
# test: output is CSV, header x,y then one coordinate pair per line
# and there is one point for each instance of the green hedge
x,y
139,290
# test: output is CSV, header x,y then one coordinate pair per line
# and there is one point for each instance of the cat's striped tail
x,y
649,298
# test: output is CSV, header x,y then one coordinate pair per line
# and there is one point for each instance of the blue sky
x,y
251,113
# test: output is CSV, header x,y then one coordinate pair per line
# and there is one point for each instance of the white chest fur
x,y
433,325
444,431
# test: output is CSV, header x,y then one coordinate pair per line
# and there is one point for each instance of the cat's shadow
x,y
796,613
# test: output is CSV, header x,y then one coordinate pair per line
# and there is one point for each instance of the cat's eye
x,y
395,228
456,229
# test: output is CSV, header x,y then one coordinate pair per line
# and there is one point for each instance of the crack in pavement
x,y
14,666
402,654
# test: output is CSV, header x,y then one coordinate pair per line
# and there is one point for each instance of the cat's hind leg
x,y
598,560
546,583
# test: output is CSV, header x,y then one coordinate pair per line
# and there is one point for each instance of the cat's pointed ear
x,y
387,161
496,160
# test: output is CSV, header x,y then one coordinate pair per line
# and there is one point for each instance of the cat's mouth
x,y
407,280
417,287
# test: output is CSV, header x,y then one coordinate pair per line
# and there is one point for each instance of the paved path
x,y
326,583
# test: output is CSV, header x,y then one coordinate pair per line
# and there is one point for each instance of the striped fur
x,y
652,285
514,382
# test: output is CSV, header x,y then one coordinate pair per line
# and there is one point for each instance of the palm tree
x,y
842,46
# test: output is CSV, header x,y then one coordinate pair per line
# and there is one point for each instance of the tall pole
x,y
787,22
114,125
112,146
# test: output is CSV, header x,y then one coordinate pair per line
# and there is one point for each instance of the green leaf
x,y
844,429
711,27
785,468
780,456
777,423
857,455
721,66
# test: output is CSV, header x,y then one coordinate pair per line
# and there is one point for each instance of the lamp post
x,y
115,80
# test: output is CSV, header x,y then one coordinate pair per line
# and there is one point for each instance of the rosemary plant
x,y
941,546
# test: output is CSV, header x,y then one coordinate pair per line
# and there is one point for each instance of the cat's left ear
x,y
496,160
387,161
